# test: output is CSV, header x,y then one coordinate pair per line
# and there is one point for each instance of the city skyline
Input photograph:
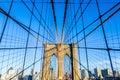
x,y
27,25
98,73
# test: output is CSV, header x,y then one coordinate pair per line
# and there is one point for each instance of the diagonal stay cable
x,y
95,20
27,40
105,39
23,26
42,18
86,51
74,18
37,36
37,19
4,27
70,29
99,24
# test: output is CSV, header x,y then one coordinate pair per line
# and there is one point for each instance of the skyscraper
x,y
98,72
106,72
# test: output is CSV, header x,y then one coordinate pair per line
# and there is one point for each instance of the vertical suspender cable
x,y
64,20
106,43
84,38
53,10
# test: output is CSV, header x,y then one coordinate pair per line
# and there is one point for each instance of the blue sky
x,y
15,36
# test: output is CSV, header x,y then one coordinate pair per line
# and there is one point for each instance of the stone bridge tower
x,y
60,50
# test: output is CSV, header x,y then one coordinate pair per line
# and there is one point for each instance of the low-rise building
x,y
85,74
10,74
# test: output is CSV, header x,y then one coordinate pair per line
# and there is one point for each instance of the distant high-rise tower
x,y
32,72
98,72
106,72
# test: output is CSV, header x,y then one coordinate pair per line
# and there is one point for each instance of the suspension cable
x,y
64,19
4,27
53,10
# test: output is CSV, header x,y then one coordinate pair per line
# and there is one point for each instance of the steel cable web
x,y
27,26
